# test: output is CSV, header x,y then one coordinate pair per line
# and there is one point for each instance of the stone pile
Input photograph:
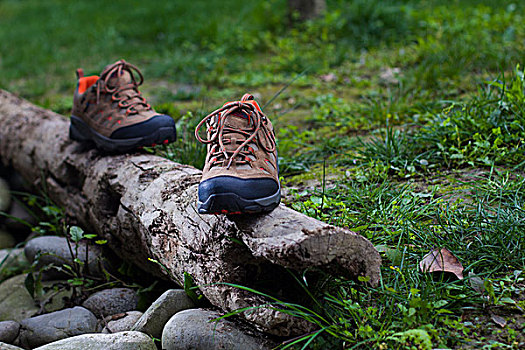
x,y
108,319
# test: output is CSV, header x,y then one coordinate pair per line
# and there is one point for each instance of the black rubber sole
x,y
231,204
80,131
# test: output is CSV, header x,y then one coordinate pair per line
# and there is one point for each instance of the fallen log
x,y
144,206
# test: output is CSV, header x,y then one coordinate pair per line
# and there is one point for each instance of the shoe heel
x,y
75,133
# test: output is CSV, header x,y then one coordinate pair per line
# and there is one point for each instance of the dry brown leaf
x,y
441,260
500,321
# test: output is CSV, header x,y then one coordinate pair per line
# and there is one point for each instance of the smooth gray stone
x,y
115,341
111,301
47,328
121,322
4,346
58,253
192,329
53,298
167,305
16,303
12,259
9,331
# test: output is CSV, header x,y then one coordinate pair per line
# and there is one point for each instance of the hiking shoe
x,y
110,111
241,173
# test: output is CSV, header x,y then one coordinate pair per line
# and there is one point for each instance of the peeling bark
x,y
144,206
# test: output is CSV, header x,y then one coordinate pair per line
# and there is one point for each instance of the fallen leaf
x,y
500,321
441,260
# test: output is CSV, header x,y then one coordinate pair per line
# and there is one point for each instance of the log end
x,y
296,241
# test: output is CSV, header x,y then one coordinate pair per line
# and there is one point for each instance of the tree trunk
x,y
144,206
306,9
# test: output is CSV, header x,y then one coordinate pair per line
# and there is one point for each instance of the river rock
x,y
112,301
4,346
121,322
47,328
5,196
115,341
15,301
55,296
9,331
12,261
58,254
192,329
167,305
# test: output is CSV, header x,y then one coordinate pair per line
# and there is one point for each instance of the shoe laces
x,y
219,134
127,95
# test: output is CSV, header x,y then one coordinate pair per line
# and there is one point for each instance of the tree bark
x,y
144,206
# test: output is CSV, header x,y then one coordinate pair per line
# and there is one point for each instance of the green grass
x,y
480,218
405,123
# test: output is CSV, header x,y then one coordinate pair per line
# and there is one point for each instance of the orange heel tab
x,y
248,98
85,82
80,73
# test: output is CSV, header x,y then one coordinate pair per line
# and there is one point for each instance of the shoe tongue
x,y
117,80
237,120
123,79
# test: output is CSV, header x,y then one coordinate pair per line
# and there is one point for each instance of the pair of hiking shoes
x,y
241,172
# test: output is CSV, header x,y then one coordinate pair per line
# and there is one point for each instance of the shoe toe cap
x,y
144,128
245,188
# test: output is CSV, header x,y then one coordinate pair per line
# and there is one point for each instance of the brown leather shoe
x,y
110,111
241,173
